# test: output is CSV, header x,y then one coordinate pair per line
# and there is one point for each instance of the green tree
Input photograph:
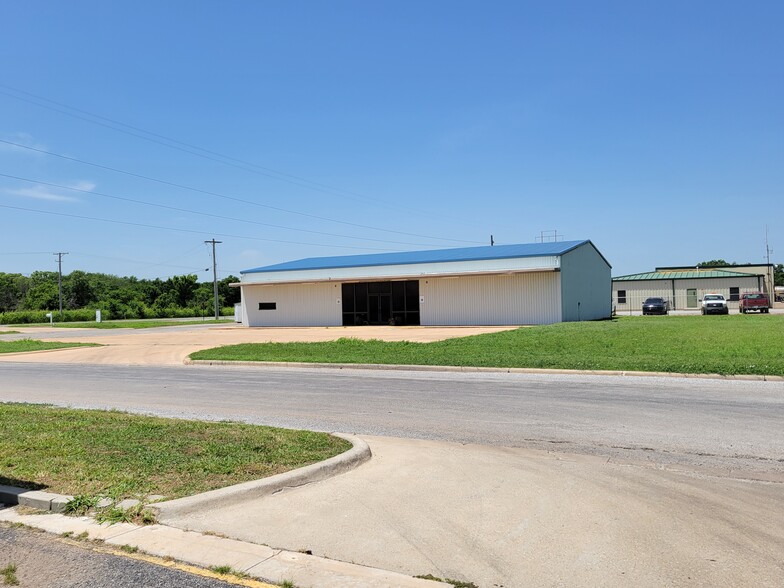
x,y
228,296
181,289
42,294
11,294
715,263
77,290
778,274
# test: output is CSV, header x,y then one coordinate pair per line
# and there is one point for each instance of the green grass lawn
x,y
22,345
119,455
8,332
141,324
734,344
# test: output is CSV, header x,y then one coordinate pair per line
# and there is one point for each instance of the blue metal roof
x,y
432,256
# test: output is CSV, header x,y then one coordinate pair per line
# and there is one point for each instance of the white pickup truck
x,y
714,304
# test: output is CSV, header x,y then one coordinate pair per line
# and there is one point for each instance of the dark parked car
x,y
656,306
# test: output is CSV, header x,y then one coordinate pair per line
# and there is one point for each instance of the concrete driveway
x,y
516,517
497,516
172,345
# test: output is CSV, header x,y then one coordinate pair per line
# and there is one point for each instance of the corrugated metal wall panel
x,y
410,270
586,285
516,299
298,305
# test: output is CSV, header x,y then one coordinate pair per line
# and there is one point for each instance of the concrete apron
x,y
518,517
172,345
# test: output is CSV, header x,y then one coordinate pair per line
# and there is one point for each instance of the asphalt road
x,y
722,425
45,561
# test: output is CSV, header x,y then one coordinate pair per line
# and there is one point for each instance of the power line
x,y
178,145
138,261
200,151
25,252
163,228
224,196
207,214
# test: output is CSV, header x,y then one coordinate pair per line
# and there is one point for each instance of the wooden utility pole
x,y
60,280
215,277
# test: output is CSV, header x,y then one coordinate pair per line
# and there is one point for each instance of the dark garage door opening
x,y
381,303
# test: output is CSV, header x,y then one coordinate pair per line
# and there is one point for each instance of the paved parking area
x,y
172,345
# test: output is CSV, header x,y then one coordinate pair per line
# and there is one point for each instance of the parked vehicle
x,y
714,304
753,301
655,306
779,291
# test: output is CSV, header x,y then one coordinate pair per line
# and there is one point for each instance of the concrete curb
x,y
348,460
205,551
47,501
470,369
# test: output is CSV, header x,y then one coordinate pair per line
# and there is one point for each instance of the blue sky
x,y
301,129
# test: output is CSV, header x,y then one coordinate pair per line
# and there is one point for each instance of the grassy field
x,y
8,332
735,344
23,345
118,455
140,324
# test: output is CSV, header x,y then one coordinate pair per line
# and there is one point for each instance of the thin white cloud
x,y
47,193
25,139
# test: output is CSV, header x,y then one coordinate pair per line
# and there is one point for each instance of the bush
x,y
22,317
133,310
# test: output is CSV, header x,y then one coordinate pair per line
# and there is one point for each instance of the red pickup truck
x,y
753,301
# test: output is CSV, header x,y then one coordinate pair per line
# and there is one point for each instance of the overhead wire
x,y
192,231
224,196
139,262
196,212
199,151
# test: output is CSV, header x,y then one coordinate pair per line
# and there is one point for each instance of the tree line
x,y
28,298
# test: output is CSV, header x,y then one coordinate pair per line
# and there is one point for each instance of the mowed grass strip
x,y
24,345
735,344
120,455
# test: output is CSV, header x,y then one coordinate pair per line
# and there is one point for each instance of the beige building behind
x,y
684,287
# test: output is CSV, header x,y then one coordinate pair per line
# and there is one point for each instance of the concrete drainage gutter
x,y
348,460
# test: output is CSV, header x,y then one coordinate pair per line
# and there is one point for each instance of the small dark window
x,y
268,305
734,294
621,296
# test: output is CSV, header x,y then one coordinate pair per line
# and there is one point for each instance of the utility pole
x,y
769,270
60,280
215,276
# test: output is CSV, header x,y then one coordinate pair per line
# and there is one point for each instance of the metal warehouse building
x,y
684,287
536,283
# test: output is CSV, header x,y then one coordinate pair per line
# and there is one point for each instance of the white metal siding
x,y
413,270
586,285
297,305
515,299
